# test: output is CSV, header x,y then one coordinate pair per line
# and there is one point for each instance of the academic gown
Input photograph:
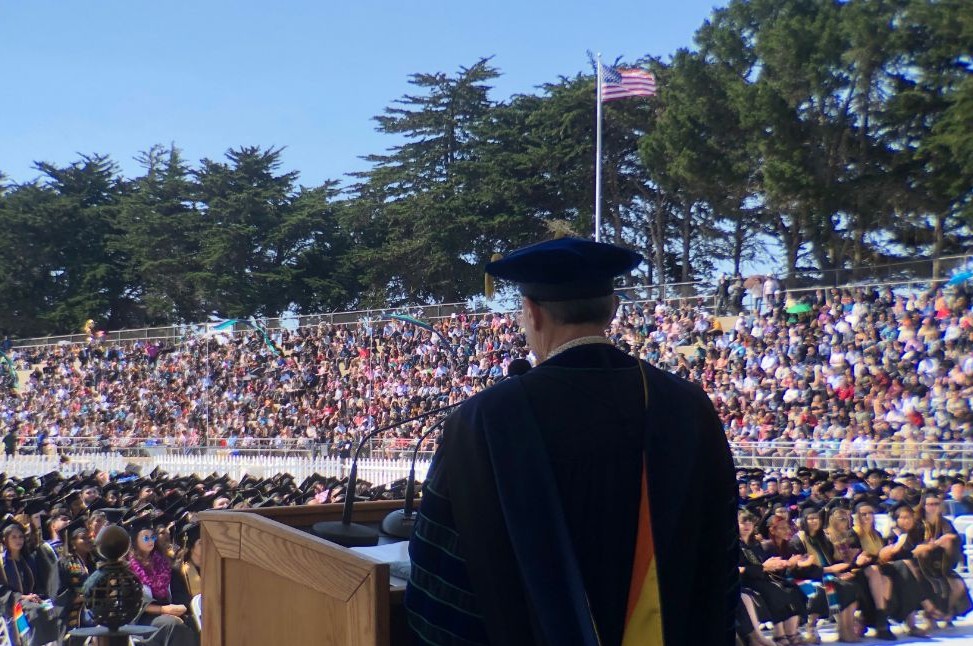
x,y
73,571
45,563
469,579
20,578
184,585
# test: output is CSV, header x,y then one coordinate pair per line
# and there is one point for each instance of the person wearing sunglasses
x,y
154,570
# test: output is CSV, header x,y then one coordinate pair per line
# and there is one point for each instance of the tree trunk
x,y
938,243
738,238
659,242
687,238
649,251
792,239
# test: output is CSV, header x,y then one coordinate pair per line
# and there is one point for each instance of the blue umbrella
x,y
961,277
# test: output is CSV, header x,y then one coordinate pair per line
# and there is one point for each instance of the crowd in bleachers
x,y
865,378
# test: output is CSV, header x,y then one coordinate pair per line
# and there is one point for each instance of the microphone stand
x,y
399,522
348,534
344,532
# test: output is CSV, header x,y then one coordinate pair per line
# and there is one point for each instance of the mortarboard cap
x,y
75,526
187,534
51,477
71,497
7,521
30,483
201,503
139,523
114,516
34,505
837,503
901,505
565,268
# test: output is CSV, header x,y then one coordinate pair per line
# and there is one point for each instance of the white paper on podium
x,y
395,554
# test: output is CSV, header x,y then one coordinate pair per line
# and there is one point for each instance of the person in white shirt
x,y
770,285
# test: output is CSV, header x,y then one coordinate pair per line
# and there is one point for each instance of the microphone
x,y
399,522
344,532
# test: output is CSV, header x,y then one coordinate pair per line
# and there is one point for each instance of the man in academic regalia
x,y
591,500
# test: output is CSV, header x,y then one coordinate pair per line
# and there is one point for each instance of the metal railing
x,y
174,333
925,270
897,456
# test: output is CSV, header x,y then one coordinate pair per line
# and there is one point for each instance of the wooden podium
x,y
266,580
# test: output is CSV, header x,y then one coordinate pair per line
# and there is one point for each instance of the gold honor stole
x,y
194,584
643,620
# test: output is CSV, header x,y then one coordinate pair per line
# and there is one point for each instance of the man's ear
x,y
535,314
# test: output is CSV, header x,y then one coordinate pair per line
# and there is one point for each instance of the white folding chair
x,y
963,524
968,548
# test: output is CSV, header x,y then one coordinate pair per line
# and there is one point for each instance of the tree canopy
x,y
809,134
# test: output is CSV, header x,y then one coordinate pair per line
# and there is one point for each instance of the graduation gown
x,y
588,406
72,571
45,563
19,578
184,585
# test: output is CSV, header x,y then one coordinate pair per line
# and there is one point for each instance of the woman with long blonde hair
x,y
892,593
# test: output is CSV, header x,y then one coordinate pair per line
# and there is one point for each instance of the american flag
x,y
618,84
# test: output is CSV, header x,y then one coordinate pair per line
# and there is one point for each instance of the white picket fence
x,y
376,471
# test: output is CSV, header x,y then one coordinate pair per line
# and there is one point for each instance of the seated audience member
x,y
812,541
154,570
21,587
785,603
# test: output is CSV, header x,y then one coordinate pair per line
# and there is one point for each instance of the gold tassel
x,y
489,287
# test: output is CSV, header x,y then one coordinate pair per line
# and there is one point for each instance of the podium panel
x,y
265,582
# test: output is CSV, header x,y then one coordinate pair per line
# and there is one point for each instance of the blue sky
x,y
116,77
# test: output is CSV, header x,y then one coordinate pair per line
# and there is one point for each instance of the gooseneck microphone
x,y
399,522
344,532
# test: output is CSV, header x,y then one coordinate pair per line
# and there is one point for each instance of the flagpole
x,y
598,151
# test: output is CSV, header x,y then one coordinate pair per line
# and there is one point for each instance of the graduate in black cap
x,y
510,541
902,546
76,562
186,573
20,584
812,541
155,572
